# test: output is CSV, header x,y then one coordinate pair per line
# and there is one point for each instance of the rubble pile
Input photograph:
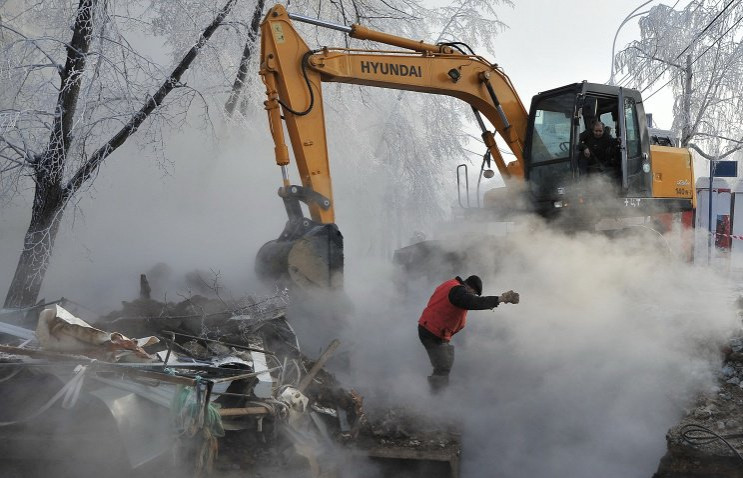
x,y
211,389
403,434
708,441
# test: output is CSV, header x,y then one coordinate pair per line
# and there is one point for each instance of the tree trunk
x,y
49,199
51,196
242,72
37,248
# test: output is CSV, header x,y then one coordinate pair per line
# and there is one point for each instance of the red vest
x,y
440,317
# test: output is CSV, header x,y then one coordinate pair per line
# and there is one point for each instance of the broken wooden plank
x,y
307,379
36,353
243,376
98,365
402,453
449,456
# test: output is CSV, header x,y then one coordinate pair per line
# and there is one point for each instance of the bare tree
x,y
230,52
697,52
60,119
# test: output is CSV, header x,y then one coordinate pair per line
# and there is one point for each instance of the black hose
x,y
305,58
456,45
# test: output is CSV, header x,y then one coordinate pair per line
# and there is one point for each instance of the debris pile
x,y
211,389
708,441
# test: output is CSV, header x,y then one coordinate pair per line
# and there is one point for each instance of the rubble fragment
x,y
60,331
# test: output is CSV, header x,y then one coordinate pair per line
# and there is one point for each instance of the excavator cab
x,y
637,181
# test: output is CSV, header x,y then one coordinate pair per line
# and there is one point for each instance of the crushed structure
x,y
209,389
708,440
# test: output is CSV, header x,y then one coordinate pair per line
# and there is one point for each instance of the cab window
x,y
634,148
552,124
608,120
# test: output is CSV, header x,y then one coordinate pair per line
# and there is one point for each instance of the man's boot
x,y
438,383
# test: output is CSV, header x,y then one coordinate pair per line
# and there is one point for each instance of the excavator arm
x,y
310,249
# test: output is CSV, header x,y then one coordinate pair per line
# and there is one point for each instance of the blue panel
x,y
725,169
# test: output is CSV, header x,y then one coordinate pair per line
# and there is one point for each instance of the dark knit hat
x,y
475,283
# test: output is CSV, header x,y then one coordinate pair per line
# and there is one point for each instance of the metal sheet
x,y
264,387
16,331
144,427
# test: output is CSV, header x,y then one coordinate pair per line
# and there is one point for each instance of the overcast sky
x,y
553,43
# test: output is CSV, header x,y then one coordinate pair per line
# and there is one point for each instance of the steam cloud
x,y
583,378
610,342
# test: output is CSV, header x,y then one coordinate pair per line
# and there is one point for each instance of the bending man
x,y
445,315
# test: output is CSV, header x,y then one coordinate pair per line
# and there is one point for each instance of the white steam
x,y
209,207
584,377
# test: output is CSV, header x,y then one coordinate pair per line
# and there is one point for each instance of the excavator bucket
x,y
310,259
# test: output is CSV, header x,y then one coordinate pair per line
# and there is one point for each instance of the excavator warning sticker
x,y
278,33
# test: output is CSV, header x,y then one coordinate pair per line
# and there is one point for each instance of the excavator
x,y
648,179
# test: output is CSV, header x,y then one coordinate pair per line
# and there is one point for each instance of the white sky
x,y
553,43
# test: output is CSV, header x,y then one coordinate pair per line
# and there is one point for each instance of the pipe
x,y
320,23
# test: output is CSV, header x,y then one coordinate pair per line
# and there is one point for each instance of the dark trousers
x,y
440,352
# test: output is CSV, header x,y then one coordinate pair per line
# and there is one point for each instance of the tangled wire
x,y
699,435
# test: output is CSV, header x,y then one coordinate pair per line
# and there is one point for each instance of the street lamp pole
x,y
629,17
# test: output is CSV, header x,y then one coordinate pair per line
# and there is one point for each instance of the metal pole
x,y
710,242
628,18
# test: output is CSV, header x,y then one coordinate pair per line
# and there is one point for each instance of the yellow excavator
x,y
648,179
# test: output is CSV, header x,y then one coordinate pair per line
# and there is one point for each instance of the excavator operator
x,y
597,149
445,315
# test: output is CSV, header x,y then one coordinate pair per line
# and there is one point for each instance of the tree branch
x,y
34,42
731,140
22,152
716,157
707,97
90,166
651,56
12,167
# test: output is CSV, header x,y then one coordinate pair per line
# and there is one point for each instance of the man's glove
x,y
509,297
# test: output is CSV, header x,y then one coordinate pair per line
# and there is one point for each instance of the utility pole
x,y
686,130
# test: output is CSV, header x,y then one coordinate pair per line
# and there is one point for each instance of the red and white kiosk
x,y
713,246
